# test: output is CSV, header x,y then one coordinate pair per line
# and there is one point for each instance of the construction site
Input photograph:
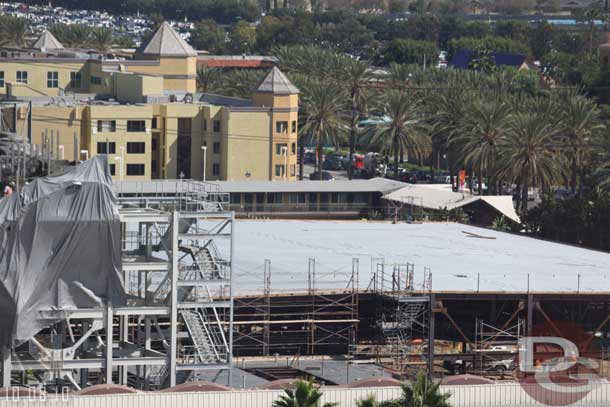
x,y
153,284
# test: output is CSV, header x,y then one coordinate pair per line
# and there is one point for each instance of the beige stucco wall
x,y
247,147
37,75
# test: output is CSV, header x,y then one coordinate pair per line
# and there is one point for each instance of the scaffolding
x,y
403,310
314,320
177,254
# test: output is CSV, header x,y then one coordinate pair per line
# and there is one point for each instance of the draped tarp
x,y
60,249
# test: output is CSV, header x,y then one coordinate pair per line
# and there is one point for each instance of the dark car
x,y
332,164
326,176
309,158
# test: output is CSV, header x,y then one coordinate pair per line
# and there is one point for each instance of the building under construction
x,y
101,290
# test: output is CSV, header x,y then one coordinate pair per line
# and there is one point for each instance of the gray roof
x,y
47,42
382,185
166,42
462,258
277,83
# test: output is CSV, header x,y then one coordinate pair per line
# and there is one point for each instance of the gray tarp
x,y
59,249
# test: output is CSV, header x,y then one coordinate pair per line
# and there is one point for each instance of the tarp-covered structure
x,y
60,249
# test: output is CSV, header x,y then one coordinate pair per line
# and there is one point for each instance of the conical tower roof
x,y
47,42
277,83
166,42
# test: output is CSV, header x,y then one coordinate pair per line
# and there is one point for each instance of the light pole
x,y
86,152
285,152
205,153
61,152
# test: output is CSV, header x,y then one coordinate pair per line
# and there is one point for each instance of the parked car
x,y
309,158
326,176
332,163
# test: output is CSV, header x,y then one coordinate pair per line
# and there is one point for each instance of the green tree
x,y
303,395
101,38
355,76
207,77
485,124
13,31
403,129
243,38
73,35
529,155
422,392
492,44
581,123
323,115
209,36
404,51
591,15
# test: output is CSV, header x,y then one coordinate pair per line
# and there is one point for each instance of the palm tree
x,y
101,38
581,121
206,76
402,131
485,123
304,395
423,392
355,77
371,401
13,31
323,117
529,154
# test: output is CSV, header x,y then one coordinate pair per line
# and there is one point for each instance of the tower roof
x,y
166,42
277,83
47,42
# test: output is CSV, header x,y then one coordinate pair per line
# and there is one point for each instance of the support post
x,y
431,338
109,344
6,367
530,313
174,302
232,253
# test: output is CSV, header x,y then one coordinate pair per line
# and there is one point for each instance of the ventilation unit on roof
x,y
188,98
172,98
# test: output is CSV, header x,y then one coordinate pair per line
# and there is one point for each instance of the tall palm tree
x,y
206,76
485,123
304,395
13,31
529,153
403,130
323,107
355,76
423,392
101,38
581,121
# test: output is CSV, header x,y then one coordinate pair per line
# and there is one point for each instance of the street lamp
x,y
86,152
205,153
285,153
61,150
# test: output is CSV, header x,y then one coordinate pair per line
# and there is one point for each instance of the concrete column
x,y
174,302
530,313
6,367
109,344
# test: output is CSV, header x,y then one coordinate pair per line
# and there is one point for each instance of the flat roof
x,y
461,258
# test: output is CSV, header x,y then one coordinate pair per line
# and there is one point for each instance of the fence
x,y
492,395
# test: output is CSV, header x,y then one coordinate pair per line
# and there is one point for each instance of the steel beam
x,y
173,353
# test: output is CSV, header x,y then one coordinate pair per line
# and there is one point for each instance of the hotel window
x,y
112,169
1,79
279,148
216,126
96,80
136,148
22,77
216,169
102,148
293,148
75,80
294,126
205,125
281,127
53,79
136,126
293,170
216,147
154,143
154,123
279,170
106,126
135,169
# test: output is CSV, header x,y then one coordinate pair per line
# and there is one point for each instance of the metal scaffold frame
x,y
178,319
312,321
